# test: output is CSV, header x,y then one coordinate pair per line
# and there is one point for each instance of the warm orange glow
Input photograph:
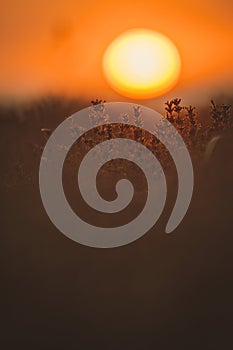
x,y
58,46
141,64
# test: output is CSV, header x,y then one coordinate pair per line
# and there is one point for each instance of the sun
x,y
142,64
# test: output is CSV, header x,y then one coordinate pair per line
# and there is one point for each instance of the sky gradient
x,y
57,47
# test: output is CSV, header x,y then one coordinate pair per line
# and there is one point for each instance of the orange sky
x,y
57,46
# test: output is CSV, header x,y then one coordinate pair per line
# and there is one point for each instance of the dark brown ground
x,y
160,292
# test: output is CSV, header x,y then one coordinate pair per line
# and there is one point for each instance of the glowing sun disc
x,y
142,64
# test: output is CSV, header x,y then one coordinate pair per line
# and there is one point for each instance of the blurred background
x,y
161,291
57,47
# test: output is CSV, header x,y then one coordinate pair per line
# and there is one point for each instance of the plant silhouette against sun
x,y
184,118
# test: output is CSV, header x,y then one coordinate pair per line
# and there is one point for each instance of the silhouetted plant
x,y
177,106
220,115
125,118
184,118
195,125
98,103
97,113
138,121
173,110
169,108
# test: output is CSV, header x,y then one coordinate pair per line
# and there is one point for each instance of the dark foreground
x,y
160,292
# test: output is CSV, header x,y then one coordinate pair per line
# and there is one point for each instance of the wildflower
x,y
220,115
138,121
